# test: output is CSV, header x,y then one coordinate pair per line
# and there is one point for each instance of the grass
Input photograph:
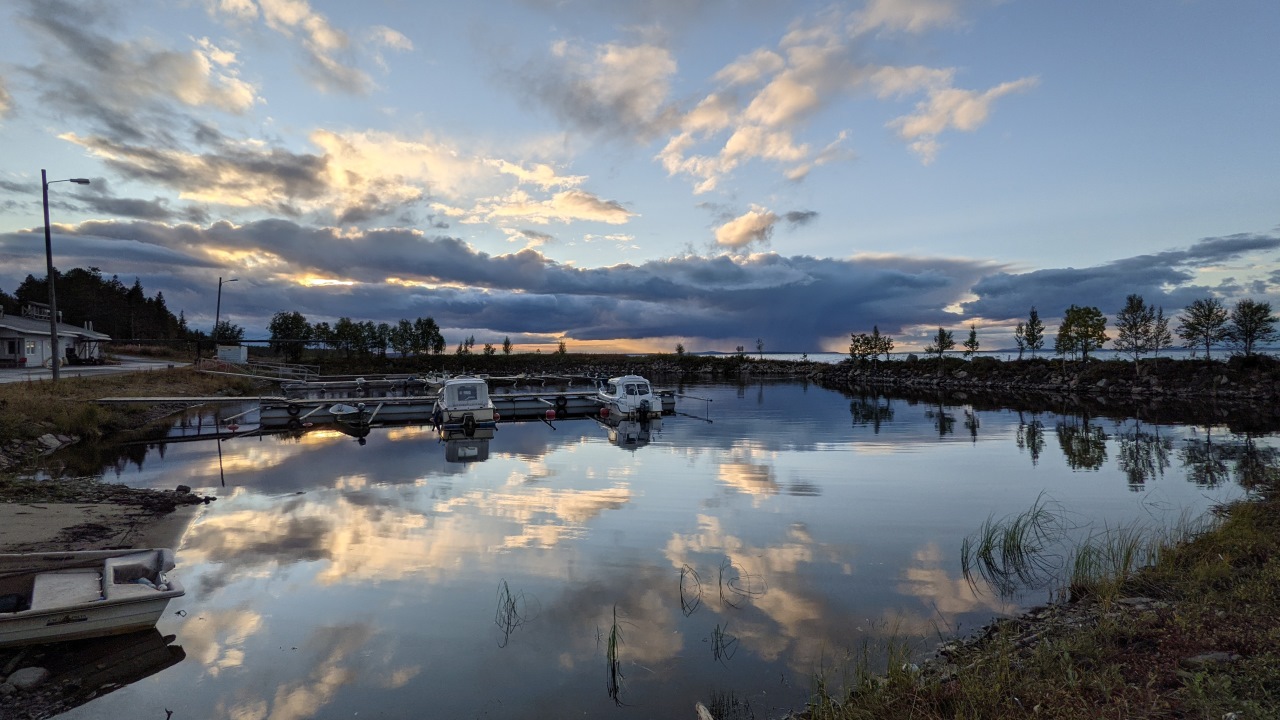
x,y
69,407
1145,608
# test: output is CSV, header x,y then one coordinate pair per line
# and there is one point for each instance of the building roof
x,y
40,326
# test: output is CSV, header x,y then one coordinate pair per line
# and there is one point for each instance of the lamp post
x,y
217,312
45,182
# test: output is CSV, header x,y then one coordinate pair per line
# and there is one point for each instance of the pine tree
x,y
971,345
1034,332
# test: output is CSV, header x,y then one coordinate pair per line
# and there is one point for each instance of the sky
x,y
626,176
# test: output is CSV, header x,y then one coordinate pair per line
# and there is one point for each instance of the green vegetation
x,y
941,343
1251,323
123,312
1083,329
1163,623
1204,323
971,345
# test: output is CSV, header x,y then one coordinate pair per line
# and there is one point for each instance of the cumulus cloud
x,y
764,99
953,108
752,227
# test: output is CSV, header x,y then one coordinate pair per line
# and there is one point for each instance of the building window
x,y
31,347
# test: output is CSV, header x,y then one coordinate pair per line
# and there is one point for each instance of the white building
x,y
24,339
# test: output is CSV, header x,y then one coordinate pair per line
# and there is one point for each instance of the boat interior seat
x,y
59,589
121,572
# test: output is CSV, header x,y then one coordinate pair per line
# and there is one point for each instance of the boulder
x,y
28,677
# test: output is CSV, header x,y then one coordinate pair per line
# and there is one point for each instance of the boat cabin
x,y
465,393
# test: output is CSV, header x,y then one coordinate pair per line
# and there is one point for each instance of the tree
x,y
290,332
679,349
971,345
506,345
860,346
227,331
1161,338
1135,329
941,343
1033,333
760,347
880,344
1251,323
322,335
562,349
489,349
1204,322
403,338
347,336
1082,329
1020,338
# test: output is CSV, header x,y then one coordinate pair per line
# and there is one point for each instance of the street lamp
x,y
217,312
45,182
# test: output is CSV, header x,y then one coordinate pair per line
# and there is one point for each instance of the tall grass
x,y
1016,552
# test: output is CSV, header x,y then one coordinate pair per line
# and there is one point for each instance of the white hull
x,y
68,596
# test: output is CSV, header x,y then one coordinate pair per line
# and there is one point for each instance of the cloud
x,y
1167,279
765,98
800,217
115,84
753,227
949,107
6,100
235,175
792,302
612,89
913,16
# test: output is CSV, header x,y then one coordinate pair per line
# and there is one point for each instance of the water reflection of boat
x,y
83,670
629,396
464,405
51,597
461,447
631,434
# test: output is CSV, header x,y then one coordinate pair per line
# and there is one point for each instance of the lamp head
x,y
80,181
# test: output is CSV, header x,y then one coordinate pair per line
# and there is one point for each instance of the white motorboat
x,y
50,597
630,396
464,404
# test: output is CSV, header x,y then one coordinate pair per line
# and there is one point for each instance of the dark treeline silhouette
x,y
122,311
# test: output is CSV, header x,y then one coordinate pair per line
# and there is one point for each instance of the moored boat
x,y
51,597
464,404
630,396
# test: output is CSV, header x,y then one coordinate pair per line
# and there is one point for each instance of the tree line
x,y
121,311
1141,329
291,334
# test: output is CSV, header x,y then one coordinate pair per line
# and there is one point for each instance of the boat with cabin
x,y
464,404
630,396
51,597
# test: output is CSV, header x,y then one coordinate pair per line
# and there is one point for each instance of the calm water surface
x,y
741,555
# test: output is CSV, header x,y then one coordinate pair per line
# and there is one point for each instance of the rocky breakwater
x,y
1253,382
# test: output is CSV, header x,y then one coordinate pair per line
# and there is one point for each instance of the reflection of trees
x,y
1256,467
944,421
1204,460
870,410
1084,445
1030,437
1143,455
971,424
1210,463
